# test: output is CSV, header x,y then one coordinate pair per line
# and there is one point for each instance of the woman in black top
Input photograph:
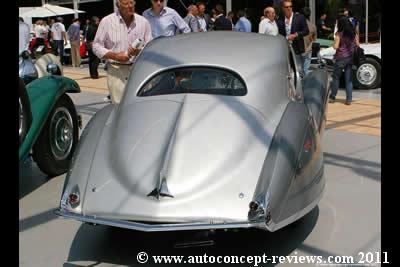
x,y
94,61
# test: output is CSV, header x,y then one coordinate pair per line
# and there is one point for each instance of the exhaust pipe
x,y
199,239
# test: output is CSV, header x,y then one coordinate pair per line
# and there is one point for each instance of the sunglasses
x,y
161,1
288,6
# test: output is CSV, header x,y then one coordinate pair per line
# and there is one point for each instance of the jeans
x,y
59,49
306,62
340,64
93,64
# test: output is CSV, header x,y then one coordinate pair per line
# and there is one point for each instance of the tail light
x,y
73,199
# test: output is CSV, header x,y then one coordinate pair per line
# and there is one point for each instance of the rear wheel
x,y
24,112
56,143
368,75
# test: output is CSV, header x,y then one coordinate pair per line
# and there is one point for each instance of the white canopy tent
x,y
27,20
48,10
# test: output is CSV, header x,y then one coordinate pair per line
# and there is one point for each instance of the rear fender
x,y
315,91
77,176
279,168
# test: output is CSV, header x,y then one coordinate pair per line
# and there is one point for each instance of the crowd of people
x,y
113,37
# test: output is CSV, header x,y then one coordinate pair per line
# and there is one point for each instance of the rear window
x,y
195,80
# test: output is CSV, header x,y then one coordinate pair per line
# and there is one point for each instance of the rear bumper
x,y
156,227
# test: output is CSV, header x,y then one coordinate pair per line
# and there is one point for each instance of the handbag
x,y
358,56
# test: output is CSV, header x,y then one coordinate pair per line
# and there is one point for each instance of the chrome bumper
x,y
156,227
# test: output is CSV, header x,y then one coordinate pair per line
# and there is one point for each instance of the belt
x,y
120,64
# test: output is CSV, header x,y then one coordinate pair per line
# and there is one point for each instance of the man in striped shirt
x,y
113,40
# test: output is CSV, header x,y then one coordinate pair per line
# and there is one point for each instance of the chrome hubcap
x,y
366,74
61,133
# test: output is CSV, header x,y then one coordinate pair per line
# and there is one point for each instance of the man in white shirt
x,y
268,24
204,19
59,37
40,33
24,35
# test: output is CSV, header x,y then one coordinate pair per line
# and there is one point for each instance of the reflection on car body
x,y
204,141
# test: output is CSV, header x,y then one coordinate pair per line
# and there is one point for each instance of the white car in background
x,y
368,75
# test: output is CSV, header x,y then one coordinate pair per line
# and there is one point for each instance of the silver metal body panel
x,y
155,227
27,68
209,152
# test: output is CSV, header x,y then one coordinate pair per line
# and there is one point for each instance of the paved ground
x,y
346,221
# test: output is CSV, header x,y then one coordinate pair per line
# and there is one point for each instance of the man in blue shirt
x,y
164,21
243,24
74,39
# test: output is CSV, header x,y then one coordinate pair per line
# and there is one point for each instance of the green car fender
x,y
43,93
324,42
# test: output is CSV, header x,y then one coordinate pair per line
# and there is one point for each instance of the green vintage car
x,y
48,121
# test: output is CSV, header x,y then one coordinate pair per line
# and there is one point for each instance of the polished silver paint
x,y
197,159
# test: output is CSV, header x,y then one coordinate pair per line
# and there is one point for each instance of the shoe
x,y
348,103
331,99
107,99
94,77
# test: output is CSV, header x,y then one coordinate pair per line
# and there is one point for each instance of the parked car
x,y
37,51
204,140
317,46
48,121
368,74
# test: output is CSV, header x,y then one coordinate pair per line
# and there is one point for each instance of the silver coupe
x,y
214,131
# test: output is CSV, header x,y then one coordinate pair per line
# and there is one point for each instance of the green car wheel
x,y
56,143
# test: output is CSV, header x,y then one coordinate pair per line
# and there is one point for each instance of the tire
x,y
25,115
368,75
53,150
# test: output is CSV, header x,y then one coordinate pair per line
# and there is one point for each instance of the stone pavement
x,y
363,116
82,77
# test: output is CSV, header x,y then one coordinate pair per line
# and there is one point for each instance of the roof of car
x,y
260,60
237,50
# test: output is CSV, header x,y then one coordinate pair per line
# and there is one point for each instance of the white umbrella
x,y
49,11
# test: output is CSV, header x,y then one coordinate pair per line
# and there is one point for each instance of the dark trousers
x,y
59,49
94,62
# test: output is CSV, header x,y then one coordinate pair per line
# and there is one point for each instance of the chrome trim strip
x,y
158,227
